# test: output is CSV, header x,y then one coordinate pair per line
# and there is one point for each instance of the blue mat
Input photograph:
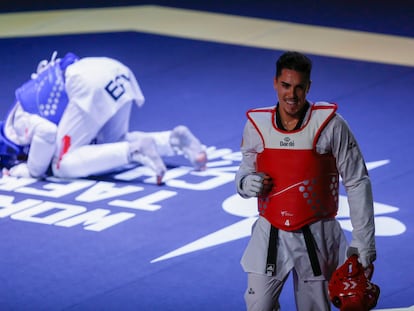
x,y
53,258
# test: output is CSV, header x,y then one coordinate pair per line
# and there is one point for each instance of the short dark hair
x,y
294,61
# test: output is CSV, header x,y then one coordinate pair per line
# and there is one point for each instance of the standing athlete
x,y
293,155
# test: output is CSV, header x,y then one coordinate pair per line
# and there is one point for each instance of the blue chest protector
x,y
45,95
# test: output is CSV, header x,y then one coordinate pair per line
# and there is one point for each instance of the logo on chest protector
x,y
287,142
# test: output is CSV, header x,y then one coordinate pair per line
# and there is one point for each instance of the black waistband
x,y
310,246
272,251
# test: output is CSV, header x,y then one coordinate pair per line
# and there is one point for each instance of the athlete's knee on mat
x,y
66,168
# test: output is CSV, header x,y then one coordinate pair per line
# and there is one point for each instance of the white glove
x,y
19,170
252,185
365,257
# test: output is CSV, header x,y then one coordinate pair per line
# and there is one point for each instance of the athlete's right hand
x,y
19,170
252,184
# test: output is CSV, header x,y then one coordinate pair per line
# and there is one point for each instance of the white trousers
x,y
292,257
262,293
86,148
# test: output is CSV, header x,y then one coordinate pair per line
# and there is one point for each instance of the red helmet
x,y
350,289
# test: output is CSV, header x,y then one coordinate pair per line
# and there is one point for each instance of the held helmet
x,y
350,289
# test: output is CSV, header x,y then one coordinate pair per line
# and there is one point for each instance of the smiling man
x,y
293,155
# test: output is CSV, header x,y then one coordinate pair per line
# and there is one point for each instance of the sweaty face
x,y
291,87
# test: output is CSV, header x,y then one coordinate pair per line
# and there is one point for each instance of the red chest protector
x,y
306,183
